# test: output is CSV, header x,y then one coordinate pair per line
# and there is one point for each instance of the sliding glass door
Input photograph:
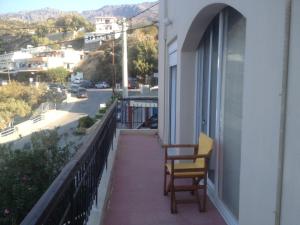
x,y
220,59
173,83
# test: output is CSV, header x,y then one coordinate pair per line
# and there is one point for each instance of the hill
x,y
35,15
126,10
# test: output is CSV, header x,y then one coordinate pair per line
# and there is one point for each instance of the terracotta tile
x,y
137,195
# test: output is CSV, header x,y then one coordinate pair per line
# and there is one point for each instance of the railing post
x,y
130,117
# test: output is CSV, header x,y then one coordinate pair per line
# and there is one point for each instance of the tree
x,y
41,30
38,41
142,58
25,174
73,23
57,75
143,53
17,99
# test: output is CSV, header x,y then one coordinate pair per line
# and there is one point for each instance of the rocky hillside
x,y
35,15
127,11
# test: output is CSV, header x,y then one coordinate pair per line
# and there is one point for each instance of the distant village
x,y
34,59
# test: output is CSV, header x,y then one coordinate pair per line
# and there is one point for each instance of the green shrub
x,y
25,174
99,116
85,122
102,110
80,131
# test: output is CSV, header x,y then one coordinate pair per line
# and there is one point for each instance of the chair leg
x,y
173,197
194,182
165,181
198,199
204,195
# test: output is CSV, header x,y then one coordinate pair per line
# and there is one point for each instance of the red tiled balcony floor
x,y
137,189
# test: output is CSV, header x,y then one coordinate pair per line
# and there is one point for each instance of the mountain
x,y
35,15
127,11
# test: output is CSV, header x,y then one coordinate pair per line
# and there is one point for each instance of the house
x,y
107,27
40,58
230,69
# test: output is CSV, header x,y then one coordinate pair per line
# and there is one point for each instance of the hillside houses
x,y
39,59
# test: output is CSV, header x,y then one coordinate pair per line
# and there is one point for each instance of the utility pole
x,y
124,60
114,68
8,68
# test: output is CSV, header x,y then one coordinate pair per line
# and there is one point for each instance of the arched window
x,y
220,71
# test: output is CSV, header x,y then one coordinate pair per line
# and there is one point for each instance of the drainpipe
x,y
283,112
165,68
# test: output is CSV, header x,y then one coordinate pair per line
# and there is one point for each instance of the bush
x,y
80,131
25,174
99,116
102,110
85,122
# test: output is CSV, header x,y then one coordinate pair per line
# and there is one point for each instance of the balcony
x,y
137,188
112,184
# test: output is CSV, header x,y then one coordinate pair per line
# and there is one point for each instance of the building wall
x,y
291,179
262,95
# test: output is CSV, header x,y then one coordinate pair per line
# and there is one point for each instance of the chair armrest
x,y
187,157
166,146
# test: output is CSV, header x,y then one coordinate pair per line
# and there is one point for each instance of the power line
x,y
145,10
52,27
131,29
98,36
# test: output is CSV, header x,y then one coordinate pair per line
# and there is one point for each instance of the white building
x,y
106,28
230,68
7,60
40,58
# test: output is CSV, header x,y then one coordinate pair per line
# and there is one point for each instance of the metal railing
x,y
70,197
8,131
137,112
38,118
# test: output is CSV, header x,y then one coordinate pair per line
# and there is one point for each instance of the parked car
x,y
102,84
77,81
73,88
132,83
81,93
86,84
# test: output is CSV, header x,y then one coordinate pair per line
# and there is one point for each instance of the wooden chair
x,y
195,168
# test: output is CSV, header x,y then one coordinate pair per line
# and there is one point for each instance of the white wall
x,y
291,178
263,74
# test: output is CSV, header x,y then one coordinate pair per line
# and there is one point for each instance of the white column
x,y
124,61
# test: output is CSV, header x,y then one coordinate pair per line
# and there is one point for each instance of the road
x,y
65,117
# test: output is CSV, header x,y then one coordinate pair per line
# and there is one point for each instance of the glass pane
x,y
213,95
205,84
172,133
232,112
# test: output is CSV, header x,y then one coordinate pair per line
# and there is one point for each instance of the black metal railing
x,y
137,112
70,197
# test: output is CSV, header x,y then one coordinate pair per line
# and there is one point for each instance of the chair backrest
x,y
205,146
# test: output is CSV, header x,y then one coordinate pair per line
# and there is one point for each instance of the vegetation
x,y
142,58
143,53
57,75
38,41
25,174
85,122
16,34
73,23
17,99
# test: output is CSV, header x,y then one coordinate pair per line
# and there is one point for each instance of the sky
x,y
8,6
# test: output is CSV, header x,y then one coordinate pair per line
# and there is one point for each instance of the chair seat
x,y
188,167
